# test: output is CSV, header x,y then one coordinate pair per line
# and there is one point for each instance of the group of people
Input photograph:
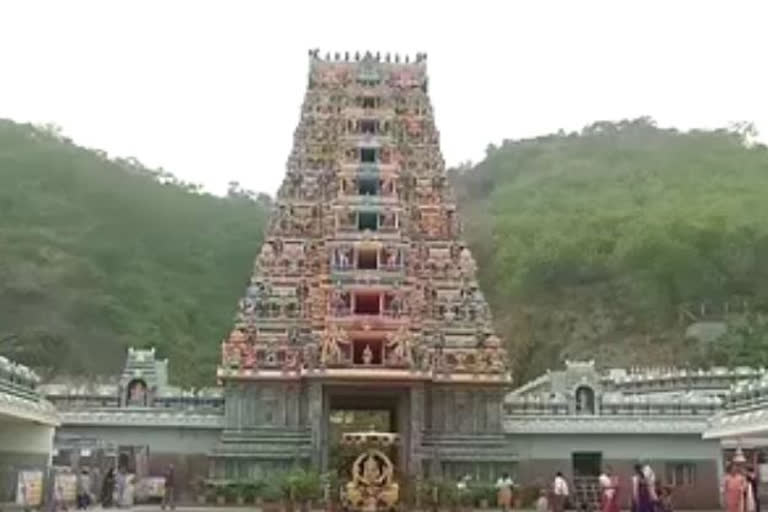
x,y
740,489
554,500
646,493
117,489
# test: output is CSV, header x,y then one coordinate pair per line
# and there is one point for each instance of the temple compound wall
x,y
575,420
27,424
137,422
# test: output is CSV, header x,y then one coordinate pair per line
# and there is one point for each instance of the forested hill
x,y
98,254
613,243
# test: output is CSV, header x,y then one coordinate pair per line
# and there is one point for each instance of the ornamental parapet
x,y
657,424
19,396
748,394
615,405
17,375
24,408
651,379
146,418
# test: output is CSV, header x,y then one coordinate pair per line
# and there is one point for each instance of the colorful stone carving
x,y
363,251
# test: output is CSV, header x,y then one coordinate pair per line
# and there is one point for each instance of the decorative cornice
x,y
363,374
601,425
40,411
738,424
142,419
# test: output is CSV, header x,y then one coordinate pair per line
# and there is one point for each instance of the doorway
x,y
587,464
364,408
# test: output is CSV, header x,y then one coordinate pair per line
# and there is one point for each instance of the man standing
x,y
83,490
559,493
504,492
650,478
169,498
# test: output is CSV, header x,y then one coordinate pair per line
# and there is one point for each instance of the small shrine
x,y
372,485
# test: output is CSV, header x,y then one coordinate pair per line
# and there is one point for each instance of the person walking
x,y
650,478
753,498
169,496
108,489
504,492
609,491
542,504
560,492
120,481
641,494
83,490
734,489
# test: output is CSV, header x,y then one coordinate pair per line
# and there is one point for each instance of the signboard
x,y
29,488
151,487
66,486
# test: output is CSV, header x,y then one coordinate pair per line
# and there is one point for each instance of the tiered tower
x,y
363,295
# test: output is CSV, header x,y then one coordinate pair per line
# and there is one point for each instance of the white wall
x,y
560,446
159,440
26,437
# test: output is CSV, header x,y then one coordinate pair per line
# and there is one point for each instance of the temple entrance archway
x,y
365,407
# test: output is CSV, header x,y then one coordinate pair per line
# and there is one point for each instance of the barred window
x,y
680,473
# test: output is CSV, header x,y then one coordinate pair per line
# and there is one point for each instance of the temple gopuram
x,y
363,295
364,299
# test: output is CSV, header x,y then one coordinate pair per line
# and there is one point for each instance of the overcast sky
x,y
211,90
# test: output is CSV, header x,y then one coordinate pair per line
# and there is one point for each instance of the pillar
x,y
315,419
417,403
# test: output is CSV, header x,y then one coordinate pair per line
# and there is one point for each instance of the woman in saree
x,y
641,494
609,491
734,489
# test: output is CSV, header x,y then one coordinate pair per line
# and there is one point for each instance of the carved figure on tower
x,y
333,343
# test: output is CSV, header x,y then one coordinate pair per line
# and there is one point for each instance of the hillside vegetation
x,y
97,255
608,244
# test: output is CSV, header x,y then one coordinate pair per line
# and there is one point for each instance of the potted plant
x,y
485,495
304,488
251,491
239,491
448,495
221,494
231,491
199,489
272,493
210,492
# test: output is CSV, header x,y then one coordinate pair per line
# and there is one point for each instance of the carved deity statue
x,y
467,263
332,342
267,256
392,258
367,355
371,470
400,344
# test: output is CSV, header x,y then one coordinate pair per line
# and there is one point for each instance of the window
x,y
368,155
369,102
367,304
368,126
367,259
368,186
680,473
367,220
